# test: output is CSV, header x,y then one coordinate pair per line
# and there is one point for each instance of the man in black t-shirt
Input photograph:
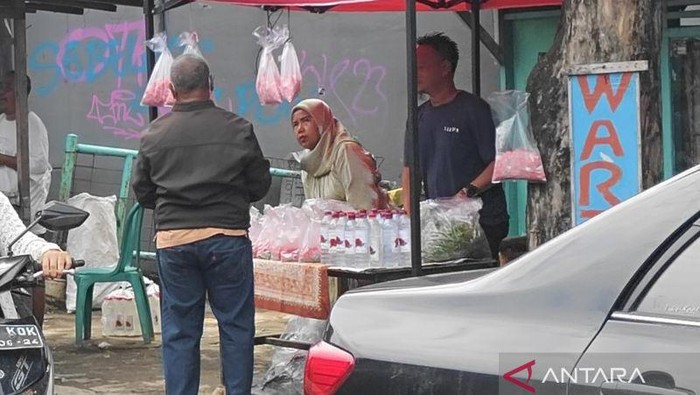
x,y
457,139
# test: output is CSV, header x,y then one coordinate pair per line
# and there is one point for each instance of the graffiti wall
x,y
89,73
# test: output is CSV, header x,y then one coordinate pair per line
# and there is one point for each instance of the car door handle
x,y
622,388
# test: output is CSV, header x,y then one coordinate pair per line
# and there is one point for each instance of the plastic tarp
x,y
389,5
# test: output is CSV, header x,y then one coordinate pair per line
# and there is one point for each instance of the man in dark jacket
x,y
199,168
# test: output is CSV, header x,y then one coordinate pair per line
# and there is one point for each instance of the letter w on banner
x,y
605,136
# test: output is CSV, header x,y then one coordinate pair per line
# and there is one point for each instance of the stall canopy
x,y
409,7
392,5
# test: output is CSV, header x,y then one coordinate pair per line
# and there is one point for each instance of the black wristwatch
x,y
471,190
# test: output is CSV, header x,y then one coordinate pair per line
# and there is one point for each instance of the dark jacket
x,y
200,166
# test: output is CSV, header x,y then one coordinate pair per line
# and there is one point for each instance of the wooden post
x,y
21,99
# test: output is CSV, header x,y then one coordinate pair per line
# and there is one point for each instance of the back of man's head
x,y
512,248
190,74
8,81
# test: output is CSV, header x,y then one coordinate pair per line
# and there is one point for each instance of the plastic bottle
x,y
362,243
333,239
325,237
389,234
340,240
404,239
349,241
375,239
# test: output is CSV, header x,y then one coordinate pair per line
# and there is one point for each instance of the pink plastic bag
x,y
291,72
517,155
270,224
268,81
310,248
521,164
290,235
158,92
282,233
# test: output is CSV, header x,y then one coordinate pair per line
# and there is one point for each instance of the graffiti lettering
x,y
117,115
114,53
87,55
355,84
90,54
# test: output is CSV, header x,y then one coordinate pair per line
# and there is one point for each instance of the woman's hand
x,y
54,262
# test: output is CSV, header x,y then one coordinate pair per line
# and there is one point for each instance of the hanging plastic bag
x,y
190,40
268,81
291,71
517,155
450,230
158,92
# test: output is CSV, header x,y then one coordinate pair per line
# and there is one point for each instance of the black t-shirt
x,y
457,141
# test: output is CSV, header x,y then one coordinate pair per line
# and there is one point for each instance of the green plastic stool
x,y
85,280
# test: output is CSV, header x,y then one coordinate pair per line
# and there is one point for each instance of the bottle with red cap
x,y
389,235
375,238
362,244
325,237
404,239
349,241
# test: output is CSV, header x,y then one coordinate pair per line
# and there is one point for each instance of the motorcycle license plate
x,y
13,337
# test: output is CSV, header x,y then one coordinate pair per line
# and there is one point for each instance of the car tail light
x,y
326,369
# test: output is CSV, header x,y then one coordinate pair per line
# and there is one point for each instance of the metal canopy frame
x,y
20,8
17,11
478,34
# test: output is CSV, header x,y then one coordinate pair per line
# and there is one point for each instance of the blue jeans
x,y
221,267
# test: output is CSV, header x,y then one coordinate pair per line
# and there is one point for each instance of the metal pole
x,y
22,113
476,47
150,56
414,172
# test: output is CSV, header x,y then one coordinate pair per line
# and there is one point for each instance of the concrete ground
x,y
124,365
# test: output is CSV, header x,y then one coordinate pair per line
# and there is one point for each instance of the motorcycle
x,y
26,363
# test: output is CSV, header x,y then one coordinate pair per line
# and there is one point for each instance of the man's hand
x,y
54,262
8,161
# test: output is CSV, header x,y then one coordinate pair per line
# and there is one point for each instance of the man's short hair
x,y
443,45
10,78
189,73
513,247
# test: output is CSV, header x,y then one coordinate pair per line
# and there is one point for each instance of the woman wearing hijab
x,y
335,166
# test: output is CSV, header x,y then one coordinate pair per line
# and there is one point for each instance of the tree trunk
x,y
590,31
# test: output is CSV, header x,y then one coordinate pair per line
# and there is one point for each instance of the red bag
x,y
291,71
517,155
268,80
158,92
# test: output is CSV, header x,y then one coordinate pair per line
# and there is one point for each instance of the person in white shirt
x,y
39,166
53,260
